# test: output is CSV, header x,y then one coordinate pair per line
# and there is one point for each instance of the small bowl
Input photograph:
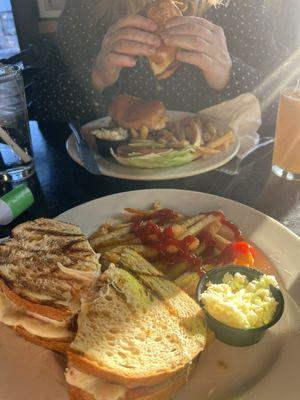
x,y
225,333
104,145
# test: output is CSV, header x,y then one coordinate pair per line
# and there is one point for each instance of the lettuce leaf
x,y
171,158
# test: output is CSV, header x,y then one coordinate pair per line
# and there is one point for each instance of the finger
x,y
135,21
177,21
132,48
135,35
192,43
192,30
116,60
201,60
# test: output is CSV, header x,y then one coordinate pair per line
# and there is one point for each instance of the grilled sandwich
x,y
45,269
139,335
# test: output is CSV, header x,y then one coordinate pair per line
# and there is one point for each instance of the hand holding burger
x,y
165,37
130,37
203,44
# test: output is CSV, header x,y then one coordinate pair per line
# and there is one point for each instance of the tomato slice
x,y
241,253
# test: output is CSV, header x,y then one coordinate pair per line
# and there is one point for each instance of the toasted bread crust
x,y
78,394
165,391
43,310
59,345
93,368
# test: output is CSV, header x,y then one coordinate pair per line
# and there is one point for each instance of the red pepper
x,y
240,253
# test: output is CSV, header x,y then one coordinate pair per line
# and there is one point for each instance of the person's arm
x,y
88,58
64,89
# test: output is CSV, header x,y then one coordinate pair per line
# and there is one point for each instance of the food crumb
x,y
222,364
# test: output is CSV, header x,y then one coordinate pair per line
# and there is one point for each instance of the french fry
x,y
111,237
156,205
214,228
178,269
207,150
188,282
136,211
134,133
133,241
179,144
144,133
161,266
194,230
225,145
120,226
228,136
193,220
102,230
211,129
200,249
221,242
145,251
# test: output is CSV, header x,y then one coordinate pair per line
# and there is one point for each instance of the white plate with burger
x,y
141,140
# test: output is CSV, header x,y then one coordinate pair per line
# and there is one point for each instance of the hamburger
x,y
134,113
163,62
154,142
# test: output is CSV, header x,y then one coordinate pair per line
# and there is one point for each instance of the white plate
x,y
110,167
266,371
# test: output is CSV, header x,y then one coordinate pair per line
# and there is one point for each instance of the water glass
x,y
16,158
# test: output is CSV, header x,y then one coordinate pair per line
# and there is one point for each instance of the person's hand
x,y
202,44
130,37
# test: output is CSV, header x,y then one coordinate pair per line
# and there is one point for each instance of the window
x,y
9,44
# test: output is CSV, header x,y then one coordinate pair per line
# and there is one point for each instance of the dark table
x,y
60,184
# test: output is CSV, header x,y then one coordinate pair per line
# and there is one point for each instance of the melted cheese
x,y
96,387
36,325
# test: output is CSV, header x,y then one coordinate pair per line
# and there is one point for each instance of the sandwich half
x,y
139,335
45,268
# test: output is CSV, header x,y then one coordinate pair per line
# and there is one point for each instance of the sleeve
x,y
64,89
249,29
244,78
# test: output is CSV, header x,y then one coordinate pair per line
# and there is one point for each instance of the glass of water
x,y
16,158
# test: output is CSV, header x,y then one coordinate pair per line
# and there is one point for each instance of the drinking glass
x,y
16,159
286,156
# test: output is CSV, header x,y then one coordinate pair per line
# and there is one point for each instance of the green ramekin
x,y
225,333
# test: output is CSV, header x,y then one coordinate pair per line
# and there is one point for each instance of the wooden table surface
x,y
60,184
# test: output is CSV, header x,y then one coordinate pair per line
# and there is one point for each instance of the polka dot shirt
x,y
64,89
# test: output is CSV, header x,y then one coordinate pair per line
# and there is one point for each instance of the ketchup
x,y
160,239
151,234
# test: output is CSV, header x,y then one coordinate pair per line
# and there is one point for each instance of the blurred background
x,y
27,22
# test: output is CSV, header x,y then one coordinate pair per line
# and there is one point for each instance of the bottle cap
x,y
14,203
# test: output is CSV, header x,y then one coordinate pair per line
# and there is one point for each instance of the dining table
x,y
60,184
